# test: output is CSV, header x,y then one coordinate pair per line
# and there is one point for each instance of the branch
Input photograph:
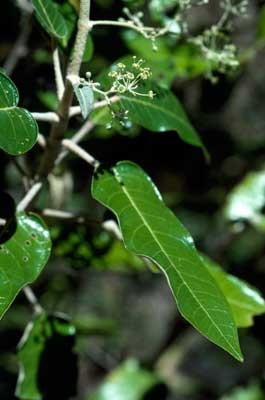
x,y
73,111
76,110
77,138
59,128
30,196
19,49
46,117
74,148
57,70
143,30
30,295
34,191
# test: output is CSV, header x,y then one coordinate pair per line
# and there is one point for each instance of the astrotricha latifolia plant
x,y
126,94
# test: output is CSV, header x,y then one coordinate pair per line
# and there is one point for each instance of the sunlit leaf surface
x,y
150,229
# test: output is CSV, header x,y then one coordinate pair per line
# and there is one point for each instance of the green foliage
x,y
131,96
22,257
246,201
162,113
151,230
261,25
38,333
169,61
85,97
50,18
244,300
127,382
19,127
252,392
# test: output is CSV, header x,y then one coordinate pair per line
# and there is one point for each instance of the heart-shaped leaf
x,y
18,129
150,229
22,257
50,18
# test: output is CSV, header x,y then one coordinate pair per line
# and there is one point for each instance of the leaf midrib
x,y
50,23
171,262
156,107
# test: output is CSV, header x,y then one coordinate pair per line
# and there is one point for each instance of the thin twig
x,y
30,295
77,138
58,129
19,168
41,141
25,5
57,70
112,227
143,30
19,49
51,116
74,148
30,196
46,116
66,215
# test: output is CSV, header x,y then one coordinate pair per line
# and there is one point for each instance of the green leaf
x,y
69,14
89,49
49,99
31,349
22,257
251,392
18,129
127,382
162,113
261,25
150,229
50,18
244,300
85,98
246,201
170,61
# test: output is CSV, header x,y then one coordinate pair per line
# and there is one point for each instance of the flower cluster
x,y
186,4
236,7
220,54
128,80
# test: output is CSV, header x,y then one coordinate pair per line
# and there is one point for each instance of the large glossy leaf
x,y
50,18
162,113
18,129
22,257
34,365
243,299
246,201
127,382
150,229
